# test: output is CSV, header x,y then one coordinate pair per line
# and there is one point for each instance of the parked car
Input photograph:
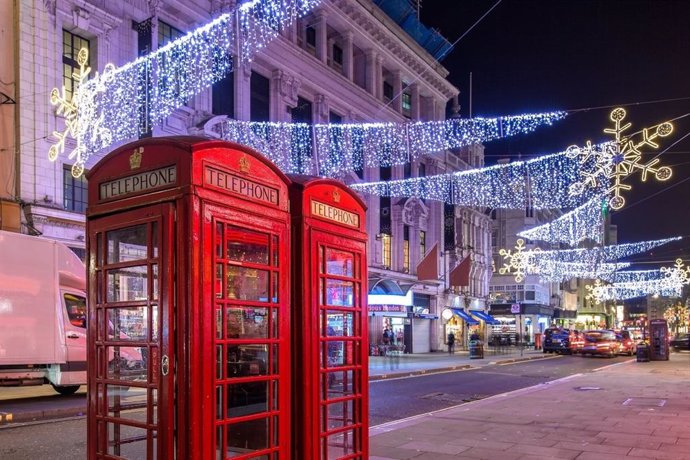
x,y
627,345
680,342
559,340
600,343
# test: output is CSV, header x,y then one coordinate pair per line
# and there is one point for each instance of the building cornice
x,y
389,35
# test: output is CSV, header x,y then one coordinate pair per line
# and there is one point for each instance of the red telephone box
x,y
329,292
189,318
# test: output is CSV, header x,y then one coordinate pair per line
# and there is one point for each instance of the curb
x,y
8,419
518,360
439,370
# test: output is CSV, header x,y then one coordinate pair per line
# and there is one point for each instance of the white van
x,y
42,314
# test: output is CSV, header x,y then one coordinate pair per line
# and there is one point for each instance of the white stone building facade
x,y
347,61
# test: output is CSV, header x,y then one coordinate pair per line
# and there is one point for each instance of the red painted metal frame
x,y
313,234
195,200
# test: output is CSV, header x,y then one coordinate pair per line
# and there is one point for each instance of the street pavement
x,y
26,404
626,410
623,410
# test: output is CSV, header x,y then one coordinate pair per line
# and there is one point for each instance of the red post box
x,y
189,317
330,315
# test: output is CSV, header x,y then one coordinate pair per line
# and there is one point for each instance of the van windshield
x,y
76,309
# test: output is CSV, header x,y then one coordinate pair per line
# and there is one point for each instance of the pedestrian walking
x,y
451,343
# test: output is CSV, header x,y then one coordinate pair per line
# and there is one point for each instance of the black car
x,y
681,342
558,340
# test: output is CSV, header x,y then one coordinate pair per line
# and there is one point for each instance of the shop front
x,y
486,324
519,322
461,324
592,320
388,333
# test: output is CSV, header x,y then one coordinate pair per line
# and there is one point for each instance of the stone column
x,y
414,101
397,91
371,66
348,55
284,92
379,78
321,37
243,90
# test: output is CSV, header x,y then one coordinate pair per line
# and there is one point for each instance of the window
x,y
167,33
260,98
407,104
422,244
334,118
387,91
71,44
224,96
337,55
422,170
406,248
386,250
75,190
311,37
407,170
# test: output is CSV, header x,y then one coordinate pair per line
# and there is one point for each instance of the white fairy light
x,y
615,161
597,255
342,148
631,290
551,271
573,227
519,262
541,183
114,104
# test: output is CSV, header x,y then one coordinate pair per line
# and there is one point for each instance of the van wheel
x,y
65,390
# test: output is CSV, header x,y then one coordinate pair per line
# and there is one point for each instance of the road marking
x,y
529,360
612,365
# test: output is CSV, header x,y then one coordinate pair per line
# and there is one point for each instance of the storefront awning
x,y
466,317
487,318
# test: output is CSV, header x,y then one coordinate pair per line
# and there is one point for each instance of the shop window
x,y
71,44
75,190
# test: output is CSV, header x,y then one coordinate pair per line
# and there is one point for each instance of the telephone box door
x,y
248,261
131,310
341,319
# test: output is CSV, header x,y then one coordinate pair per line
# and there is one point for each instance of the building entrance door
x,y
131,295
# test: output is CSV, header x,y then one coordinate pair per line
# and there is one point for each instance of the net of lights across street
x,y
541,183
332,150
582,223
555,271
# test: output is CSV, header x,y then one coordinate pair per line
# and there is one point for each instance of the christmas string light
x,y
122,103
573,227
624,291
632,276
597,255
519,262
540,183
344,148
615,161
556,271
676,275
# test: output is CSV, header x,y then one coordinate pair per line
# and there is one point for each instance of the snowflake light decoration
x,y
75,111
597,291
519,262
678,275
612,162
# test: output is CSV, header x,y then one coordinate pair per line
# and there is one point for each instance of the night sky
x,y
542,55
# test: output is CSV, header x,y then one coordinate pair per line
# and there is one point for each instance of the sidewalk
x,y
627,410
386,367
